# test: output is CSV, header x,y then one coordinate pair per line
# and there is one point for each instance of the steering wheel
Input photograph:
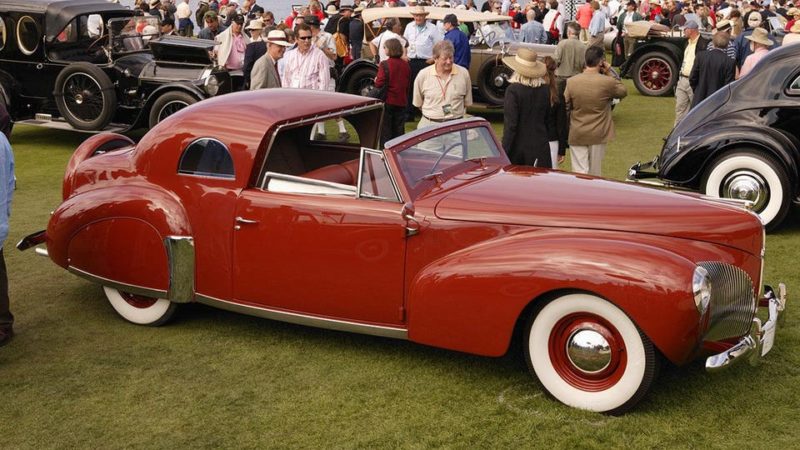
x,y
91,48
444,153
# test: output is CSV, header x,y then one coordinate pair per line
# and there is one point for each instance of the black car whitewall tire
x,y
627,365
168,104
139,309
85,96
751,175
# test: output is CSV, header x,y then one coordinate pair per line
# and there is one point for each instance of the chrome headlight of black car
x,y
212,85
701,289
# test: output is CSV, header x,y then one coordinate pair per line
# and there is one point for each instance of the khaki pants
x,y
587,158
584,35
683,98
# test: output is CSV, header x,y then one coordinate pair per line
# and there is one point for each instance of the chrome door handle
x,y
240,219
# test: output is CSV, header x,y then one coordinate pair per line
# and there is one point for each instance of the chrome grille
x,y
733,301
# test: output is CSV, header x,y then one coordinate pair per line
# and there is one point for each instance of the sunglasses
x,y
304,38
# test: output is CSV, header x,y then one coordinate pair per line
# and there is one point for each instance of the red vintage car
x,y
435,239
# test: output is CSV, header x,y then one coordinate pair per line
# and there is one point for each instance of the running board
x,y
59,124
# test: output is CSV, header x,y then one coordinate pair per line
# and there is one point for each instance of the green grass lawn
x,y
77,375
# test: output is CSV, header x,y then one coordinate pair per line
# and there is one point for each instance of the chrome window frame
x,y
207,174
21,47
382,156
794,86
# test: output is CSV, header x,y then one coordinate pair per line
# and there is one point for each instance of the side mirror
x,y
412,225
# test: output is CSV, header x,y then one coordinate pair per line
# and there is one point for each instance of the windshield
x,y
434,156
132,34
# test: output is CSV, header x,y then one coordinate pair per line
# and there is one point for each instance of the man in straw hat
x,y
760,44
265,70
421,36
588,97
527,110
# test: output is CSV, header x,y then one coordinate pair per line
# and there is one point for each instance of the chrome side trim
x,y
180,255
302,319
138,290
41,251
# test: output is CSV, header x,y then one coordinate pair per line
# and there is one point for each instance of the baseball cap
x,y
691,25
238,18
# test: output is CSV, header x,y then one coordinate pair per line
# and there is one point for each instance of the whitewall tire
x,y
139,309
750,175
588,354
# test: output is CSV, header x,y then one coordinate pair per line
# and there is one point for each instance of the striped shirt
x,y
730,50
306,71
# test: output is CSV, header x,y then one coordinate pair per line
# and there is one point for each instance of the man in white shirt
x,y
553,23
184,16
421,36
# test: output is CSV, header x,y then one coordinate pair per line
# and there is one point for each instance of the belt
x,y
441,120
684,76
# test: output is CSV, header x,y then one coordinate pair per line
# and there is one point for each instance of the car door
x,y
321,249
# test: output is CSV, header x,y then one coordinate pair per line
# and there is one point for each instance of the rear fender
x,y
471,300
129,241
95,145
144,113
690,165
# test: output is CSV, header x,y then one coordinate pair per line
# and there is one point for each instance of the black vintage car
x,y
93,65
742,142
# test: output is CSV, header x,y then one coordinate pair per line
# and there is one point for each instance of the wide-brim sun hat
x,y
256,24
331,9
760,36
526,63
419,10
278,37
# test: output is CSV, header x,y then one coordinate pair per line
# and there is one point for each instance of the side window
x,y
208,158
794,87
28,35
2,32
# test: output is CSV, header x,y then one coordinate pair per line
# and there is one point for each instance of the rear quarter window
x,y
206,157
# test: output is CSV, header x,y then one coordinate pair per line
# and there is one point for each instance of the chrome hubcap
x,y
79,98
500,81
588,351
747,185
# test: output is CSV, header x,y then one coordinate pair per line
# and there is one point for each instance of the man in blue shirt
x,y
6,192
460,41
533,32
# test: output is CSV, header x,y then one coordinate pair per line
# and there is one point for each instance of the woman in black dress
x,y
528,111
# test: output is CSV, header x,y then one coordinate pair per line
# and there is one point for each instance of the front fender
x,y
352,67
118,235
183,86
688,165
471,300
668,48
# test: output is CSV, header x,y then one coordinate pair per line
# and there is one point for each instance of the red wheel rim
x,y
568,371
138,301
655,74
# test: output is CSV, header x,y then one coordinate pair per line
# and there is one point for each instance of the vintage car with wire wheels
x,y
742,142
92,65
435,239
488,45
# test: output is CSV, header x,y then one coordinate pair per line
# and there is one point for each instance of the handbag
x,y
381,92
617,51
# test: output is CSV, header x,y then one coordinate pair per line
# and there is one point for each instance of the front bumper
x,y
644,171
761,337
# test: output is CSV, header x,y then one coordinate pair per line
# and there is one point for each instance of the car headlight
x,y
212,85
701,289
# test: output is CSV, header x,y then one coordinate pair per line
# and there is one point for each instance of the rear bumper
x,y
32,240
645,171
761,337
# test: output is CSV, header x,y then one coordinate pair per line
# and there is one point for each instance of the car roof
x,y
463,15
58,13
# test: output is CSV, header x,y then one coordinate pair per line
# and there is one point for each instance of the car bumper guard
x,y
761,337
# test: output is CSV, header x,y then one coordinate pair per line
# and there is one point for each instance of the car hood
x,y
544,198
182,49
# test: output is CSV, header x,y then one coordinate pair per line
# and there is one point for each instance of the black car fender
x,y
668,48
8,85
183,86
688,167
352,68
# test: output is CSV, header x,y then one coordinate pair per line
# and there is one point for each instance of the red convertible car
x,y
435,239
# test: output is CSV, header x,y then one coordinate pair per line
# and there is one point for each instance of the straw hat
x,y
331,10
419,10
525,63
760,36
278,37
793,12
256,24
